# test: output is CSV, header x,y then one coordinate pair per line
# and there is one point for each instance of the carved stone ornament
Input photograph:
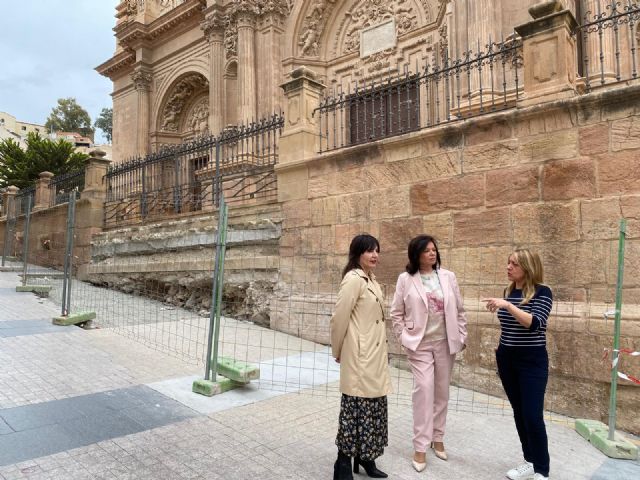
x,y
134,6
198,118
141,79
213,24
367,13
281,7
184,91
313,26
166,5
230,37
444,42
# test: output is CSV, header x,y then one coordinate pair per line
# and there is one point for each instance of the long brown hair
x,y
533,273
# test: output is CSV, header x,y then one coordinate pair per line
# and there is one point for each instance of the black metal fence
x,y
24,200
608,42
239,163
442,92
63,186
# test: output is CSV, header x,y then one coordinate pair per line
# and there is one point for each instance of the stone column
x,y
95,169
600,71
246,66
42,198
300,140
549,53
142,83
269,31
8,200
213,27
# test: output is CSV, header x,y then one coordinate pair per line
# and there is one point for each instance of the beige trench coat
x,y
359,337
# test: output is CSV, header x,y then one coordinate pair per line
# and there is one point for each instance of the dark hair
x,y
417,245
360,244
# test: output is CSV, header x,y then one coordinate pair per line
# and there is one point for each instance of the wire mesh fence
x,y
153,283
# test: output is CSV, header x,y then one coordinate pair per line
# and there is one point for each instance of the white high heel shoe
x,y
417,466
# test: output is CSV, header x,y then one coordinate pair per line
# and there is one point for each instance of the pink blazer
x,y
409,311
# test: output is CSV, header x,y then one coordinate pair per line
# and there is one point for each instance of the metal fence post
x,y
211,368
616,331
68,256
216,183
220,283
25,246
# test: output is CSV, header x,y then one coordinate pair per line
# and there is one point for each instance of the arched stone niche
x,y
184,110
326,34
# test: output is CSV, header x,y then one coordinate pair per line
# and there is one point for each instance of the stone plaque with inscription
x,y
377,38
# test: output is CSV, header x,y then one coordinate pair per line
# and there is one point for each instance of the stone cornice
x,y
134,33
118,62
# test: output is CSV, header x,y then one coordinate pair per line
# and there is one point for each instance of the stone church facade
x,y
184,67
555,169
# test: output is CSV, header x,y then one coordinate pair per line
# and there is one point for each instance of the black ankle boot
x,y
369,467
342,467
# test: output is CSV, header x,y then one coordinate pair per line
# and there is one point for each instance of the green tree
x,y
22,167
105,123
68,116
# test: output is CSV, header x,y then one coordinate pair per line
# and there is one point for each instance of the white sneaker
x,y
539,476
522,472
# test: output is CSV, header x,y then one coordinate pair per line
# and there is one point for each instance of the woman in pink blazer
x,y
428,320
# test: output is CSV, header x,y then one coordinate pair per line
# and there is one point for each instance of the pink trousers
x,y
431,365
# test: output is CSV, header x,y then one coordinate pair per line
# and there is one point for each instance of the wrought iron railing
x,y
189,177
24,198
445,91
608,39
63,186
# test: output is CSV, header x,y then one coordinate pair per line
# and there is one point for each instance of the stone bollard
x,y
8,200
42,198
550,61
95,187
299,140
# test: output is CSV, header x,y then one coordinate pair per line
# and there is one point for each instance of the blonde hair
x,y
533,273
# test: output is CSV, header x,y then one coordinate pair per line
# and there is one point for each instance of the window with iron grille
x,y
391,109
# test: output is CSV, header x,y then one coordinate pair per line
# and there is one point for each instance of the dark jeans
x,y
524,372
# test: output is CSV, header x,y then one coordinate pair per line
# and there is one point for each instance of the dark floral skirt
x,y
363,427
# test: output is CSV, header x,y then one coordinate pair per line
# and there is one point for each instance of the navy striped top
x,y
513,334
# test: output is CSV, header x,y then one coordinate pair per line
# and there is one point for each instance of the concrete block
x,y
597,434
210,388
238,371
42,290
74,318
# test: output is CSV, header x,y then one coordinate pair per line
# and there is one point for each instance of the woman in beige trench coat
x,y
359,344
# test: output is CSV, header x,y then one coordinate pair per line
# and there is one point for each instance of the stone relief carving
x,y
281,7
183,91
444,42
198,119
230,37
313,26
371,12
166,5
212,23
134,6
141,79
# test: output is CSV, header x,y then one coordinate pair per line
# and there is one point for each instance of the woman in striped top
x,y
522,358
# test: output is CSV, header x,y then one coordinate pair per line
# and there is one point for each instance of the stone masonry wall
x,y
555,177
173,260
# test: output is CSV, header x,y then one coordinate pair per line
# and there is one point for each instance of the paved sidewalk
x,y
78,404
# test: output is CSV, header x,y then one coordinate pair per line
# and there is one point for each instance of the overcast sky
x,y
48,50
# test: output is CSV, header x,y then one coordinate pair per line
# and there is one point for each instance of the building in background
x,y
17,130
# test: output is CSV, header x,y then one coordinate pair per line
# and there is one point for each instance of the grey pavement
x,y
92,404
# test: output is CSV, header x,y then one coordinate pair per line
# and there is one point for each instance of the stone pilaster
x,y
246,66
94,172
142,83
42,198
299,141
213,27
8,200
270,28
549,52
